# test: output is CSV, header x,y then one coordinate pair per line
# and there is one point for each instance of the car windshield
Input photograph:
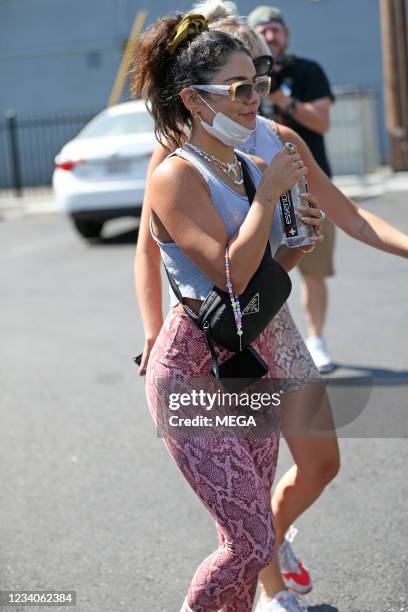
x,y
118,125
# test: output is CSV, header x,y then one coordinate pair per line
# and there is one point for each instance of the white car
x,y
100,174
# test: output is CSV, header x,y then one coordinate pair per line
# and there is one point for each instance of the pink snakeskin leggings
x,y
232,476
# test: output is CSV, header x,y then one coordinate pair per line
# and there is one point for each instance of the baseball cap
x,y
265,14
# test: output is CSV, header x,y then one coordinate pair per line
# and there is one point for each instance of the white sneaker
x,y
295,575
281,602
320,356
185,607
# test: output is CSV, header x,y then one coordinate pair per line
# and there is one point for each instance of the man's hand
x,y
279,98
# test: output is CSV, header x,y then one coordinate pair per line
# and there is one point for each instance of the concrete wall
x,y
344,37
62,55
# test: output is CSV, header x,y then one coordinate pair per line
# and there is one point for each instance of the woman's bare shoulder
x,y
177,179
259,162
286,134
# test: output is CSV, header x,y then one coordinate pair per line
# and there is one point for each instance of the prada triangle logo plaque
x,y
253,306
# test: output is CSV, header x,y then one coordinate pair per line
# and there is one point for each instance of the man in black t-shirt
x,y
304,81
301,99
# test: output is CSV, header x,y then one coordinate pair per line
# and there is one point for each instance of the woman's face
x,y
238,68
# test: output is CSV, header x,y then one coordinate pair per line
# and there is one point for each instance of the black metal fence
x,y
28,146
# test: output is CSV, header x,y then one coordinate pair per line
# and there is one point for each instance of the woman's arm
x,y
288,258
184,213
313,115
147,271
352,219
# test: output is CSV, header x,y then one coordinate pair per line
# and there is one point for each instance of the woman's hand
x,y
281,174
312,215
149,343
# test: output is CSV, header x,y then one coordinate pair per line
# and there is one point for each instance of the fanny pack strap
x,y
177,291
250,189
215,366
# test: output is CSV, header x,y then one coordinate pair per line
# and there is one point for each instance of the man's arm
x,y
312,97
312,115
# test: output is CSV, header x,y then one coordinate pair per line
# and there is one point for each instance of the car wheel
x,y
88,229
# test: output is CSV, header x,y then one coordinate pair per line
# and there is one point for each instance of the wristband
x,y
291,107
308,250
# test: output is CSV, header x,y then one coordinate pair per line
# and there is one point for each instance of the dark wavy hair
x,y
159,77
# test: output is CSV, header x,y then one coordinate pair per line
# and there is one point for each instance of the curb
x,y
43,202
354,187
372,185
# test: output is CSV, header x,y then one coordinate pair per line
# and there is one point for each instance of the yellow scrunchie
x,y
192,23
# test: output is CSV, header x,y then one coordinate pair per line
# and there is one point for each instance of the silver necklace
x,y
227,168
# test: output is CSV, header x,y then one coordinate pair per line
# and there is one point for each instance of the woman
x,y
317,460
178,62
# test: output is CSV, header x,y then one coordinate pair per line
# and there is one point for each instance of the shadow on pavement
x,y
322,608
368,402
128,237
367,376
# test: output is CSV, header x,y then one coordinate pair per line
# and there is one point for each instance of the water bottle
x,y
295,232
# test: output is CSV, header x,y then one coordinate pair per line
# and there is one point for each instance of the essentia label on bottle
x,y
288,215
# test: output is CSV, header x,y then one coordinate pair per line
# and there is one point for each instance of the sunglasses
x,y
240,91
263,64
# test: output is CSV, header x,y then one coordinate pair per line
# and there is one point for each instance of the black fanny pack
x,y
265,294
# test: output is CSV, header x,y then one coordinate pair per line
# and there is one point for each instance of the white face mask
x,y
225,129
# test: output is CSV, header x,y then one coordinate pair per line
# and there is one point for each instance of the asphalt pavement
x,y
92,502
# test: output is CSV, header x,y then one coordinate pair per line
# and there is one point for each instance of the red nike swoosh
x,y
301,578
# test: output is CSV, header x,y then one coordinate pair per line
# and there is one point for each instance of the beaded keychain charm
x,y
236,307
